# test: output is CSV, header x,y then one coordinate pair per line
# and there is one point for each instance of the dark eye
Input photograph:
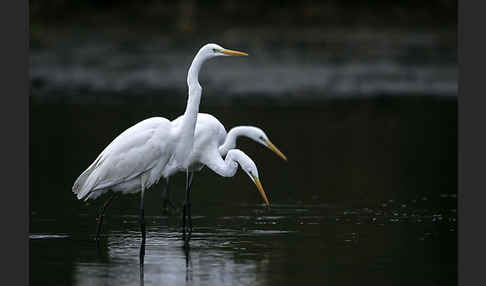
x,y
214,50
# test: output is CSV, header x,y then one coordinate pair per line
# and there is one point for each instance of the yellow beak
x,y
233,53
260,189
275,149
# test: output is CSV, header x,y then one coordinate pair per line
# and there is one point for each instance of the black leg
x,y
186,211
167,202
187,253
142,228
191,175
101,215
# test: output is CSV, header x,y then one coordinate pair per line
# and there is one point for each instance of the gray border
x,y
472,143
14,118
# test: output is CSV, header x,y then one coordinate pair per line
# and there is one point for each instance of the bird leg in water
x,y
141,275
191,175
142,228
186,211
187,250
101,215
166,198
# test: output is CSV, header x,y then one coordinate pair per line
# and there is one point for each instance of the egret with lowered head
x,y
211,137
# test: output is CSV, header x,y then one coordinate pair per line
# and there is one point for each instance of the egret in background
x,y
137,158
209,128
211,143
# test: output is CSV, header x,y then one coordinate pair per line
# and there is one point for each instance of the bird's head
x,y
258,135
214,50
250,169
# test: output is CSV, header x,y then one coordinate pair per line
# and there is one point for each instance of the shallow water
x,y
238,244
368,196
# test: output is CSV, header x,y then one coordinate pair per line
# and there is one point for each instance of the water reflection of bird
x,y
137,158
187,254
142,275
211,134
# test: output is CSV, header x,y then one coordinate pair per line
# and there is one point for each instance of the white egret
x,y
211,143
209,128
137,158
254,133
209,137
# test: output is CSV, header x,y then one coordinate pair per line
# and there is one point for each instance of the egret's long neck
x,y
226,168
188,124
230,140
193,74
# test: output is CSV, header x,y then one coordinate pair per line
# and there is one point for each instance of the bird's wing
x,y
135,151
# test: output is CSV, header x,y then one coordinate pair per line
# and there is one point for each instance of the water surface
x,y
234,244
368,196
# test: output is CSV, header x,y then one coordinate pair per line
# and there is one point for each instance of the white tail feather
x,y
82,182
78,184
88,185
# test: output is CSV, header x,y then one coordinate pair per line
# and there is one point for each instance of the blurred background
x,y
360,96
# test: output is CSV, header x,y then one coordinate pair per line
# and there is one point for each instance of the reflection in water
x,y
168,263
378,196
187,253
291,245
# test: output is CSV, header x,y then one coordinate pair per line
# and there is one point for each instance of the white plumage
x,y
143,149
136,159
212,143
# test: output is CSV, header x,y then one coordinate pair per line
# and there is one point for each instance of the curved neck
x,y
189,119
193,73
230,140
226,168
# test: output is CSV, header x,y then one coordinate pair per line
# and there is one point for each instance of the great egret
x,y
209,137
211,143
137,158
210,128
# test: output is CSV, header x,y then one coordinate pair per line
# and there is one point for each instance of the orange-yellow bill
x,y
233,53
275,149
260,189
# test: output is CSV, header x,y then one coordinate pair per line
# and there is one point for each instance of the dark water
x,y
240,244
368,196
